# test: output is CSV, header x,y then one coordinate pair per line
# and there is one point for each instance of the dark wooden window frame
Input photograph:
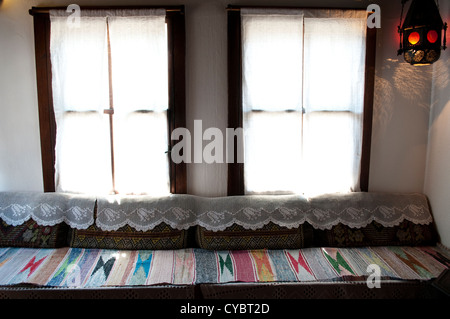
x,y
235,185
177,88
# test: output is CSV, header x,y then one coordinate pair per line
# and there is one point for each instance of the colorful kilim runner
x,y
75,267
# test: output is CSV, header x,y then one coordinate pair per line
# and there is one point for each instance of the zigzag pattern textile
x,y
76,267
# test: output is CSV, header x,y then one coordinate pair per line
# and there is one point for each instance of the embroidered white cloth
x,y
183,211
47,209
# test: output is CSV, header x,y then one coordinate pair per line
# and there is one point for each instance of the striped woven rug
x,y
75,267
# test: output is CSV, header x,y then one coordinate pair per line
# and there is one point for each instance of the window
x,y
300,85
110,91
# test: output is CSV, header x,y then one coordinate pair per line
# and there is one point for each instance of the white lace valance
x,y
47,209
145,212
253,212
183,211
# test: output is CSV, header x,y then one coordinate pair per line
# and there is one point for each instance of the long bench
x,y
356,245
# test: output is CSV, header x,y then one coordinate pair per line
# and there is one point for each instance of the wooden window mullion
x,y
110,111
369,85
176,114
235,185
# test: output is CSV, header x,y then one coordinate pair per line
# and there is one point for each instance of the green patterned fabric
x,y
32,235
126,237
375,234
271,236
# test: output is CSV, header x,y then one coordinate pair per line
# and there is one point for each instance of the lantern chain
x,y
400,51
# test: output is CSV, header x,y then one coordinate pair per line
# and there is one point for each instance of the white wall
x,y
437,178
401,111
20,162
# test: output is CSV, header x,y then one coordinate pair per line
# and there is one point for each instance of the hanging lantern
x,y
421,33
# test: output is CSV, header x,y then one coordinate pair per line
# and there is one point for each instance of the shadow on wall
x,y
441,83
411,82
400,82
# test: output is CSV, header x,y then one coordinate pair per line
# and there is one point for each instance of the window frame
x,y
176,112
235,183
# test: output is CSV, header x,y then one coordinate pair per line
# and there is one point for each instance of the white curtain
x,y
140,87
334,55
303,87
272,81
80,71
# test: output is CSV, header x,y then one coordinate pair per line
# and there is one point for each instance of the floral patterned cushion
x,y
375,234
30,234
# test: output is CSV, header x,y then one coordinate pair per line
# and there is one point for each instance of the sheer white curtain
x,y
140,87
81,73
79,59
334,55
303,86
272,81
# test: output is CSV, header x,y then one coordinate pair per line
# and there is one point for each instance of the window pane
x,y
139,63
83,154
272,152
140,143
331,152
79,58
334,64
272,62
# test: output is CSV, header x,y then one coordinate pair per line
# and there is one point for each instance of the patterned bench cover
x,y
94,268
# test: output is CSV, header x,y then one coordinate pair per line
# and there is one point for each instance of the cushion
x,y
270,236
161,237
30,234
375,234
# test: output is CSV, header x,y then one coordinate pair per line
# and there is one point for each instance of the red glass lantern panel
x,y
432,36
414,37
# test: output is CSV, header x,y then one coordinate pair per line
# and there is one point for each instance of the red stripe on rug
x,y
245,270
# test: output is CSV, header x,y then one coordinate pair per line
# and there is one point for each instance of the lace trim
x,y
47,209
212,223
355,210
143,213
